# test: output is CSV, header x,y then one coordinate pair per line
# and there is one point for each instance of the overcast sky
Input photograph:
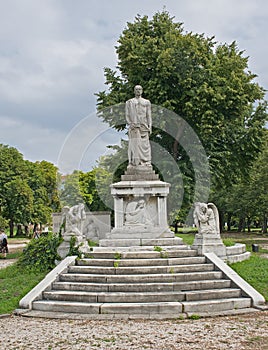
x,y
52,55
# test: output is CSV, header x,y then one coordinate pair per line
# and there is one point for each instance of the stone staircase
x,y
147,281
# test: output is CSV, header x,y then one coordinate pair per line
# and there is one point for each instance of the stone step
x,y
65,306
176,253
142,287
144,308
132,316
130,270
102,249
139,297
209,294
141,242
115,297
215,305
108,308
168,308
146,278
142,262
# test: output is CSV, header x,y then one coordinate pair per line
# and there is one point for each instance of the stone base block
x,y
209,244
140,242
140,232
140,209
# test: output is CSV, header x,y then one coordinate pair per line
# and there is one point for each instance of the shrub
x,y
74,248
41,254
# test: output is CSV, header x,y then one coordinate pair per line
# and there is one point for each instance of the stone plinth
x,y
140,207
208,243
140,172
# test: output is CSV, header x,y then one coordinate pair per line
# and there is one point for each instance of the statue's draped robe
x,y
138,116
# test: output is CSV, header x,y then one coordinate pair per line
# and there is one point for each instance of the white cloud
x,y
52,55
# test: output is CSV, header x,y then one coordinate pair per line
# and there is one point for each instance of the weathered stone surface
x,y
147,283
142,308
208,239
140,210
216,305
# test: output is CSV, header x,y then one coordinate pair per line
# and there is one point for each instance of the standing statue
x,y
206,218
139,120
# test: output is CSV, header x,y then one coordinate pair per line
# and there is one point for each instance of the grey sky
x,y
52,55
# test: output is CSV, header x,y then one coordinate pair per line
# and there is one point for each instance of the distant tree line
x,y
28,191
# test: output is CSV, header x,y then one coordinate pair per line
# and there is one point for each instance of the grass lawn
x,y
15,282
255,272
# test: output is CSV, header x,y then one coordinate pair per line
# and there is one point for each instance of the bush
x,y
74,249
41,254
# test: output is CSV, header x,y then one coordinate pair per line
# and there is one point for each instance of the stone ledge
x,y
132,242
247,289
237,258
36,292
236,249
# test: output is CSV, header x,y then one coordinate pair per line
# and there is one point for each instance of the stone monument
x,y
140,198
208,239
72,220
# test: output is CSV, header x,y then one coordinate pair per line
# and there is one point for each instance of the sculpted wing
x,y
216,216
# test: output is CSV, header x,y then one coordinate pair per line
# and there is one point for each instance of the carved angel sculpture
x,y
206,218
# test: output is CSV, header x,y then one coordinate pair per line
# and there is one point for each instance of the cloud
x,y
52,55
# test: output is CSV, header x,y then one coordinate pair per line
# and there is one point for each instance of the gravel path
x,y
6,262
242,332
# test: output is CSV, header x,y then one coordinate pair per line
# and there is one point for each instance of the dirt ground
x,y
241,332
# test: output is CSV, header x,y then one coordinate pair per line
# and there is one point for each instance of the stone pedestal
x,y
80,242
140,205
209,243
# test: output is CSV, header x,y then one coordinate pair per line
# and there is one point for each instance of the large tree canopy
x,y
206,83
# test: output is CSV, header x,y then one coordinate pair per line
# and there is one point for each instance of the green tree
x,y
28,191
247,199
70,193
259,185
42,178
51,180
95,190
206,83
15,194
18,202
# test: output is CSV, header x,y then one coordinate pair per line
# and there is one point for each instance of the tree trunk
x,y
244,225
180,130
11,228
264,226
241,224
26,230
35,227
229,219
19,230
221,219
248,224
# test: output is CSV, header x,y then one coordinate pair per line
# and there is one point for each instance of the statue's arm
x,y
127,113
149,116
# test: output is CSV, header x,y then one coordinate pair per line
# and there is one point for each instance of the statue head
x,y
65,209
141,203
203,207
138,90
